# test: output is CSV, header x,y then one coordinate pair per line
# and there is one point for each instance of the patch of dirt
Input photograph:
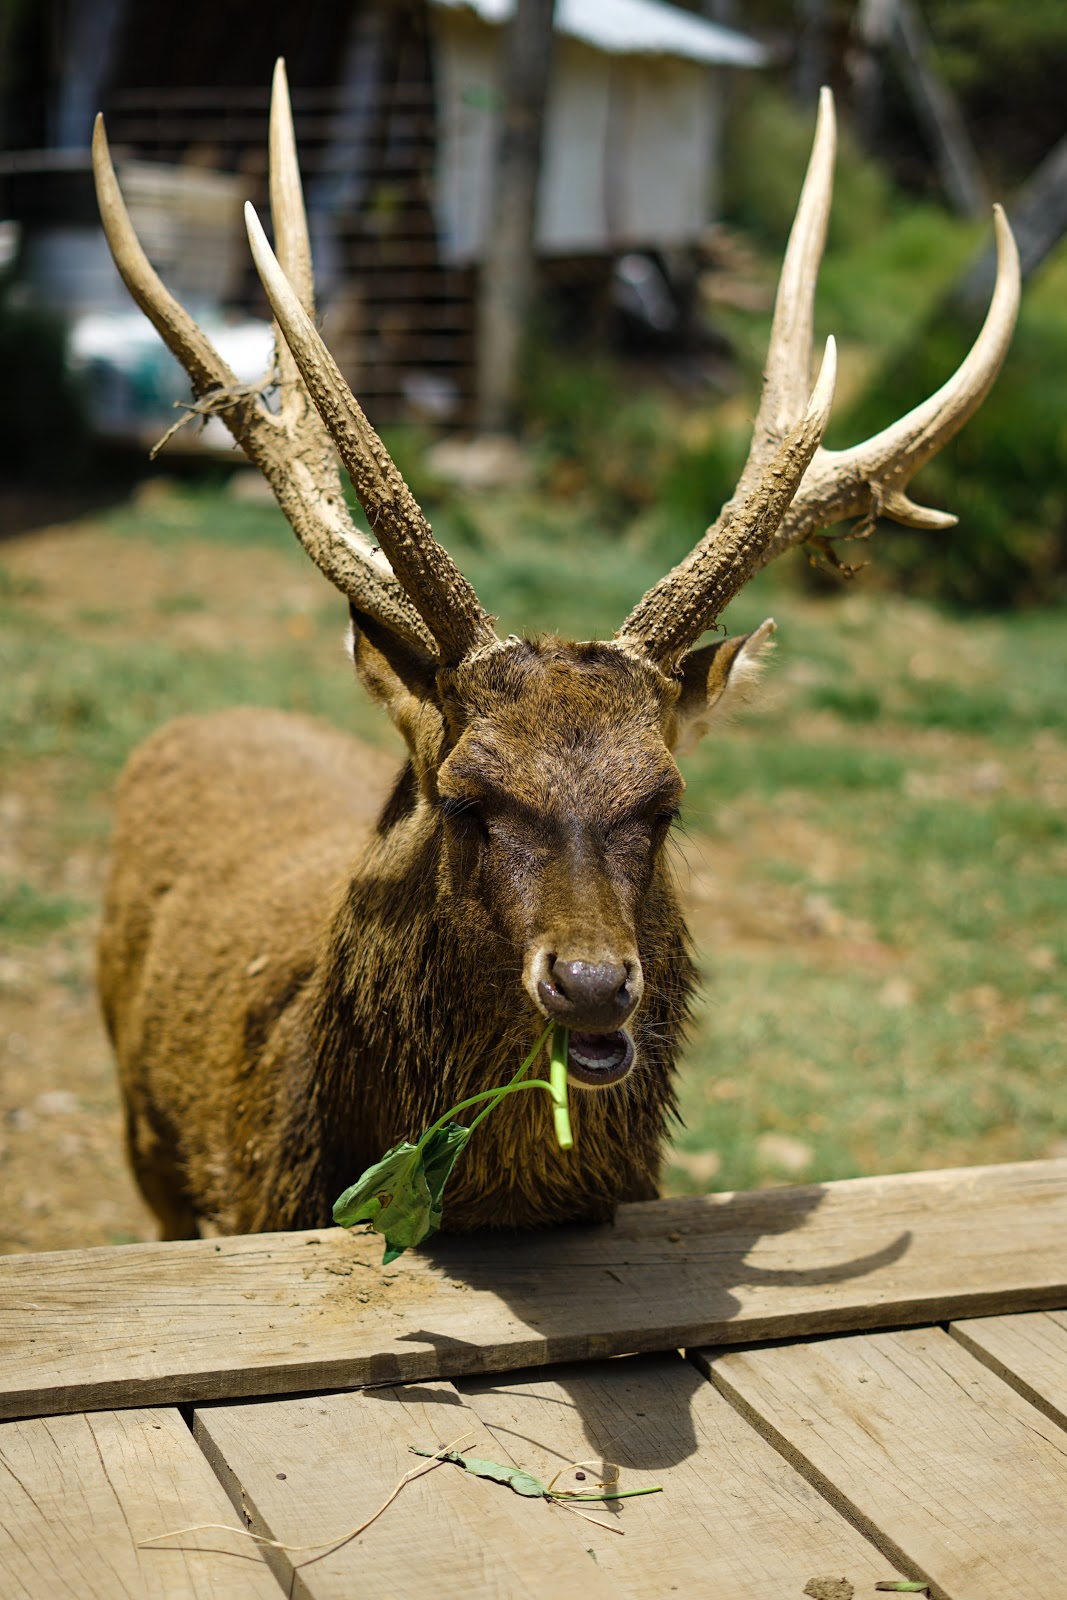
x,y
186,591
63,1177
730,906
26,508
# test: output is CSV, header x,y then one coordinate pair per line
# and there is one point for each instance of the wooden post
x,y
507,274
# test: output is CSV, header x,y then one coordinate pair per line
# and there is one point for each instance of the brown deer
x,y
303,961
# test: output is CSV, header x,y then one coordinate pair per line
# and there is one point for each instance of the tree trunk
x,y
811,67
507,275
938,110
722,86
866,61
1039,220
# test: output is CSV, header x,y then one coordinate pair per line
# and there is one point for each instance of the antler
x,y
441,593
432,605
775,504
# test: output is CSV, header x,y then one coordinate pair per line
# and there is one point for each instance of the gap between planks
x,y
734,1520
941,1463
1027,1351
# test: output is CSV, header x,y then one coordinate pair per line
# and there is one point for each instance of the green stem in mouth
x,y
557,1075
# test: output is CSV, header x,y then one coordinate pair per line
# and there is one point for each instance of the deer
x,y
306,955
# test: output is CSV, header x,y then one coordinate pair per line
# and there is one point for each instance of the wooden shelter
x,y
395,104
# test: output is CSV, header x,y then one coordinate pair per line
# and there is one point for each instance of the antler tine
x,y
872,477
441,594
173,323
787,373
785,438
287,194
693,595
300,470
289,219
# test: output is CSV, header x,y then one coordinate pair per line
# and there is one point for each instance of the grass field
x,y
873,859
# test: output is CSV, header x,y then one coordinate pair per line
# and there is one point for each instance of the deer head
x,y
546,769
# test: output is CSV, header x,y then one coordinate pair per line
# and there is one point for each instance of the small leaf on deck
x,y
522,1482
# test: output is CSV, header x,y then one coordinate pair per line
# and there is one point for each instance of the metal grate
x,y
399,322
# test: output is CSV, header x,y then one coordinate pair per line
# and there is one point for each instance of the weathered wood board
x,y
284,1313
735,1520
934,1457
78,1494
1028,1350
313,1468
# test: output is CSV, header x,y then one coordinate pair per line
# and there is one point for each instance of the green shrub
x,y
43,427
1004,476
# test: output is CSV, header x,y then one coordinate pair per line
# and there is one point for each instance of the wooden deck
x,y
863,1381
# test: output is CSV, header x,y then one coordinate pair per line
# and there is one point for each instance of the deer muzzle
x,y
590,995
593,999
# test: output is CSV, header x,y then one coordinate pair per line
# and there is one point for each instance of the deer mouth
x,y
597,1059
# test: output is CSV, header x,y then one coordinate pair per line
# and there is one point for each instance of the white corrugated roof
x,y
635,27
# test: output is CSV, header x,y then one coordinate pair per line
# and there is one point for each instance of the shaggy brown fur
x,y
302,961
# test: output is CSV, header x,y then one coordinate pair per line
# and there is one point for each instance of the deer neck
x,y
402,1034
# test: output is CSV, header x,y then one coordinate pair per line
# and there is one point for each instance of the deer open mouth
x,y
597,1059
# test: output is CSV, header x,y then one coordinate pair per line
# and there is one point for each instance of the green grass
x,y
27,915
782,1049
881,842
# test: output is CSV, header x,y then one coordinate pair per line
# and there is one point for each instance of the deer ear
x,y
403,679
716,679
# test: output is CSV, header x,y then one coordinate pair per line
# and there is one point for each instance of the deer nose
x,y
590,994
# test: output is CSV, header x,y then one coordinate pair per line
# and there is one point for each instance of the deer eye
x,y
466,814
669,814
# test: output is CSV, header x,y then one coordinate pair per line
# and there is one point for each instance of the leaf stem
x,y
527,1064
610,1494
491,1094
556,1087
558,1078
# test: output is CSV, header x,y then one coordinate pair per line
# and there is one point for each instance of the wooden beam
x,y
308,1470
735,1520
79,1495
281,1313
1029,1351
952,1473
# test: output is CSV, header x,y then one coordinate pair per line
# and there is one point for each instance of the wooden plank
x,y
77,1494
950,1471
282,1313
1029,1351
309,1469
735,1520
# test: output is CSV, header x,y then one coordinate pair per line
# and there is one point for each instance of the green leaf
x,y
374,1190
903,1586
525,1483
400,1195
522,1482
439,1155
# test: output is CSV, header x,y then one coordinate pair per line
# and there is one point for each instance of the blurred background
x,y
546,240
